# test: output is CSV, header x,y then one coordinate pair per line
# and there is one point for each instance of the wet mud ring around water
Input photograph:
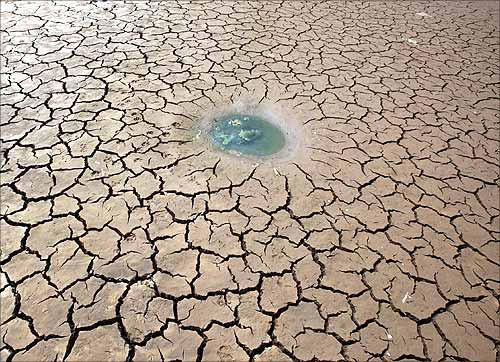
x,y
251,132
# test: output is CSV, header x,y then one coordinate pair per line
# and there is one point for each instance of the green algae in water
x,y
247,134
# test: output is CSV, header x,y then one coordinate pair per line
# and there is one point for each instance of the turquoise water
x,y
247,134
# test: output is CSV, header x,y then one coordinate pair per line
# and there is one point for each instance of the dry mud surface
x,y
124,237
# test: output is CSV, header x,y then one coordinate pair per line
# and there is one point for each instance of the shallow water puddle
x,y
248,135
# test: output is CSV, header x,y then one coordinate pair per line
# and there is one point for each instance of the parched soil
x,y
125,237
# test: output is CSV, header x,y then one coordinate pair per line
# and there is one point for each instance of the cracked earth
x,y
123,237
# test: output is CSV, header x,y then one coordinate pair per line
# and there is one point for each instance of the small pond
x,y
247,134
